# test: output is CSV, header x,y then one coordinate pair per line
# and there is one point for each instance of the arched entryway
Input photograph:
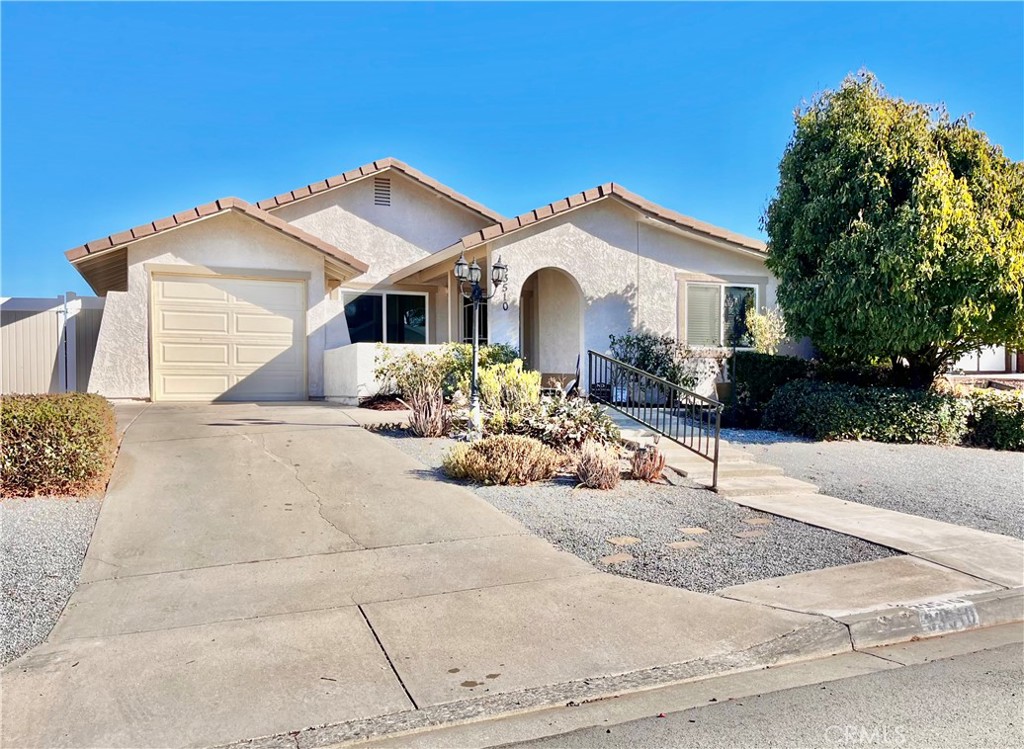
x,y
551,324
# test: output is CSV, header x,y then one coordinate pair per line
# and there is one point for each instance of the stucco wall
x,y
417,223
627,270
349,370
121,366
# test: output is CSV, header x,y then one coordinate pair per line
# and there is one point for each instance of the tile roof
x,y
372,168
114,241
608,190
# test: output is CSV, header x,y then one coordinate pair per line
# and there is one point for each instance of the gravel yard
x,y
645,518
42,542
981,489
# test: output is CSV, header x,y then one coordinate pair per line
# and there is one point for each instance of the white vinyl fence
x,y
47,345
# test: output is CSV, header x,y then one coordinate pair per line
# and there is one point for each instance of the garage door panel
x,y
228,338
246,323
185,385
268,386
268,295
186,353
188,289
255,354
190,322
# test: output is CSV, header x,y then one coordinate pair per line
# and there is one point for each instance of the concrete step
x,y
678,454
645,437
745,486
744,468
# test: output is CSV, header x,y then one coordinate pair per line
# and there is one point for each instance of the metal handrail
x,y
690,420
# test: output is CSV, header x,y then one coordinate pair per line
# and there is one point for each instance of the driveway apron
x,y
259,569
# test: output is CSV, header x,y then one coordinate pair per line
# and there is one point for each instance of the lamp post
x,y
469,276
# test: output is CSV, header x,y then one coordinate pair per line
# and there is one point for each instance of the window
x,y
467,321
716,314
402,316
736,302
365,318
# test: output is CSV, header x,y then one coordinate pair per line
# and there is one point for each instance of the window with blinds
x,y
703,315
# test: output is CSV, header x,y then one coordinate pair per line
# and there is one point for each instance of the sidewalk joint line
x,y
386,655
880,657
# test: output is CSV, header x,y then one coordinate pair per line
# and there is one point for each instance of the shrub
x,y
55,444
507,388
997,419
648,464
597,466
767,330
661,356
756,378
409,371
823,410
567,423
502,459
461,358
430,416
852,373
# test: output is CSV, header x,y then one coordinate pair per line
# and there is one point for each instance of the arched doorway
x,y
551,324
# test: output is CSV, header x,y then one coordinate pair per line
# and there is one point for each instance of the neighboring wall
x,y
47,345
416,223
225,241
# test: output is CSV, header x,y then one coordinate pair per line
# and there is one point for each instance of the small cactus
x,y
648,463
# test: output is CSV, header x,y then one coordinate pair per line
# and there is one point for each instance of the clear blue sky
x,y
117,114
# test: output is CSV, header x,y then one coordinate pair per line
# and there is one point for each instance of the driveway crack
x,y
317,499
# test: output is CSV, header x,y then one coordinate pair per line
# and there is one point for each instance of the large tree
x,y
896,233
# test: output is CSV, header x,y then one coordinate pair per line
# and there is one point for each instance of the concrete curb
x,y
932,618
823,638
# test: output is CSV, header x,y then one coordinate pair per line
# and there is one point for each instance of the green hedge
x,y
55,444
833,411
997,419
757,377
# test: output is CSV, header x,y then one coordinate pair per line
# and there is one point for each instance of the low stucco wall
x,y
349,370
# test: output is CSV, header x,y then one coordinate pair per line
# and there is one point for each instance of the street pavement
x,y
970,700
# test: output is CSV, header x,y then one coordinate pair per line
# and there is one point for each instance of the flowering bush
x,y
767,330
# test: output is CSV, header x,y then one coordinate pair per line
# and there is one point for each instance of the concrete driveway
x,y
263,570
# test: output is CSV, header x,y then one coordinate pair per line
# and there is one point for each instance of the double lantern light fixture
x,y
469,276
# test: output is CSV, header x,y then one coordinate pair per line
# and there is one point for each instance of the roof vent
x,y
382,191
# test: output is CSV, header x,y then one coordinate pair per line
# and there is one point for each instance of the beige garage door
x,y
220,338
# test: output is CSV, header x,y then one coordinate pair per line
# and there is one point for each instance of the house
x,y
288,298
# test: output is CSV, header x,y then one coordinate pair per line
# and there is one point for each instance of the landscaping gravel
x,y
42,543
981,489
582,520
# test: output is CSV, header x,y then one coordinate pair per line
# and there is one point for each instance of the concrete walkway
x,y
953,577
277,571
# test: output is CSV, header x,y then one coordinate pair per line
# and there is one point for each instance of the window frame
x,y
342,291
722,286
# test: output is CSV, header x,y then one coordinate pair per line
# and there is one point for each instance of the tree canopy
x,y
896,232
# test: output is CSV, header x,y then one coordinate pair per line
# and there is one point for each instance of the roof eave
x,y
375,168
111,244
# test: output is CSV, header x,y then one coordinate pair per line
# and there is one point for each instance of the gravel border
x,y
582,520
43,543
968,486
